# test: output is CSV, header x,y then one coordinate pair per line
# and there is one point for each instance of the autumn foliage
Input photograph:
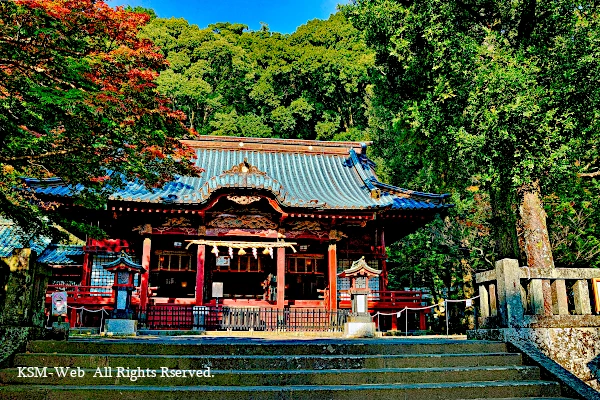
x,y
78,101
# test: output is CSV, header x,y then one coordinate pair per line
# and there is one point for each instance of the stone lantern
x,y
124,269
359,322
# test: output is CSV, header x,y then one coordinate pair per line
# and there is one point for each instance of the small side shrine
x,y
124,270
359,322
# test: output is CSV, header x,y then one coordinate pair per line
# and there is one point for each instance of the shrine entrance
x,y
244,276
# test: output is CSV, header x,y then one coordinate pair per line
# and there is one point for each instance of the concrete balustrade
x,y
514,296
549,308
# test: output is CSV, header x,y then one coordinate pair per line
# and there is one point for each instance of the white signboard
x,y
223,261
217,289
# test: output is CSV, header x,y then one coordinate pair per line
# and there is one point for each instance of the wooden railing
x,y
79,292
388,298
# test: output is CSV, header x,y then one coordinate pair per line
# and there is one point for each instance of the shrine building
x,y
270,221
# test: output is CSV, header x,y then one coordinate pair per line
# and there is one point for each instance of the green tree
x,y
494,94
231,81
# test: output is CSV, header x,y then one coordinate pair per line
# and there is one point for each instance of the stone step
x,y
212,377
262,362
422,391
238,346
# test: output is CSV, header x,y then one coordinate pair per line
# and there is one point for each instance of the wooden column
x,y
332,269
145,275
384,272
422,324
201,256
86,273
281,277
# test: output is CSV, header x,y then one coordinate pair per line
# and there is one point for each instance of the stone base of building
x,y
359,329
120,327
575,349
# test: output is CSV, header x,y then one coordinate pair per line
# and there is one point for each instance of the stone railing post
x,y
508,275
581,296
560,302
484,302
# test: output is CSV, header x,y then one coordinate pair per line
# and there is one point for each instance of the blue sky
x,y
281,15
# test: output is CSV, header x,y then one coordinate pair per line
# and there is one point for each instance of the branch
x,y
589,174
35,157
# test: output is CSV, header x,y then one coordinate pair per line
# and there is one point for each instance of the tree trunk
x,y
504,221
536,240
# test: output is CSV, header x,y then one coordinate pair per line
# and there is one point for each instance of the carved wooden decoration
x,y
145,229
177,222
243,222
245,168
336,235
243,200
305,226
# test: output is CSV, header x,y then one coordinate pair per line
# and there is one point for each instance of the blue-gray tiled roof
x,y
341,179
11,237
57,254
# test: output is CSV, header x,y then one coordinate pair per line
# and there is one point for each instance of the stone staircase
x,y
234,368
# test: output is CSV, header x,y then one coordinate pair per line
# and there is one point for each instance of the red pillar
x,y
201,255
86,273
73,317
422,325
384,273
280,277
145,275
332,270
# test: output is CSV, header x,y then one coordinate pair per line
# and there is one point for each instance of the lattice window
x,y
344,283
174,261
246,263
102,277
305,265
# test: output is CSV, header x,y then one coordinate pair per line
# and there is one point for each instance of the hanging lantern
x,y
230,252
241,252
265,251
215,251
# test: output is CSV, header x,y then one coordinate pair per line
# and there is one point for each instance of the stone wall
x,y
21,301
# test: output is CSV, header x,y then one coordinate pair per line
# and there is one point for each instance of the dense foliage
x,y
230,81
494,102
77,101
493,98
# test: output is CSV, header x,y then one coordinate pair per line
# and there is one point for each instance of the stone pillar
x,y
145,275
484,302
280,277
547,293
493,300
200,258
332,270
25,290
581,296
560,302
510,303
536,296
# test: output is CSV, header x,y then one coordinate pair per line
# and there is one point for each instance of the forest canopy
x,y
496,103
